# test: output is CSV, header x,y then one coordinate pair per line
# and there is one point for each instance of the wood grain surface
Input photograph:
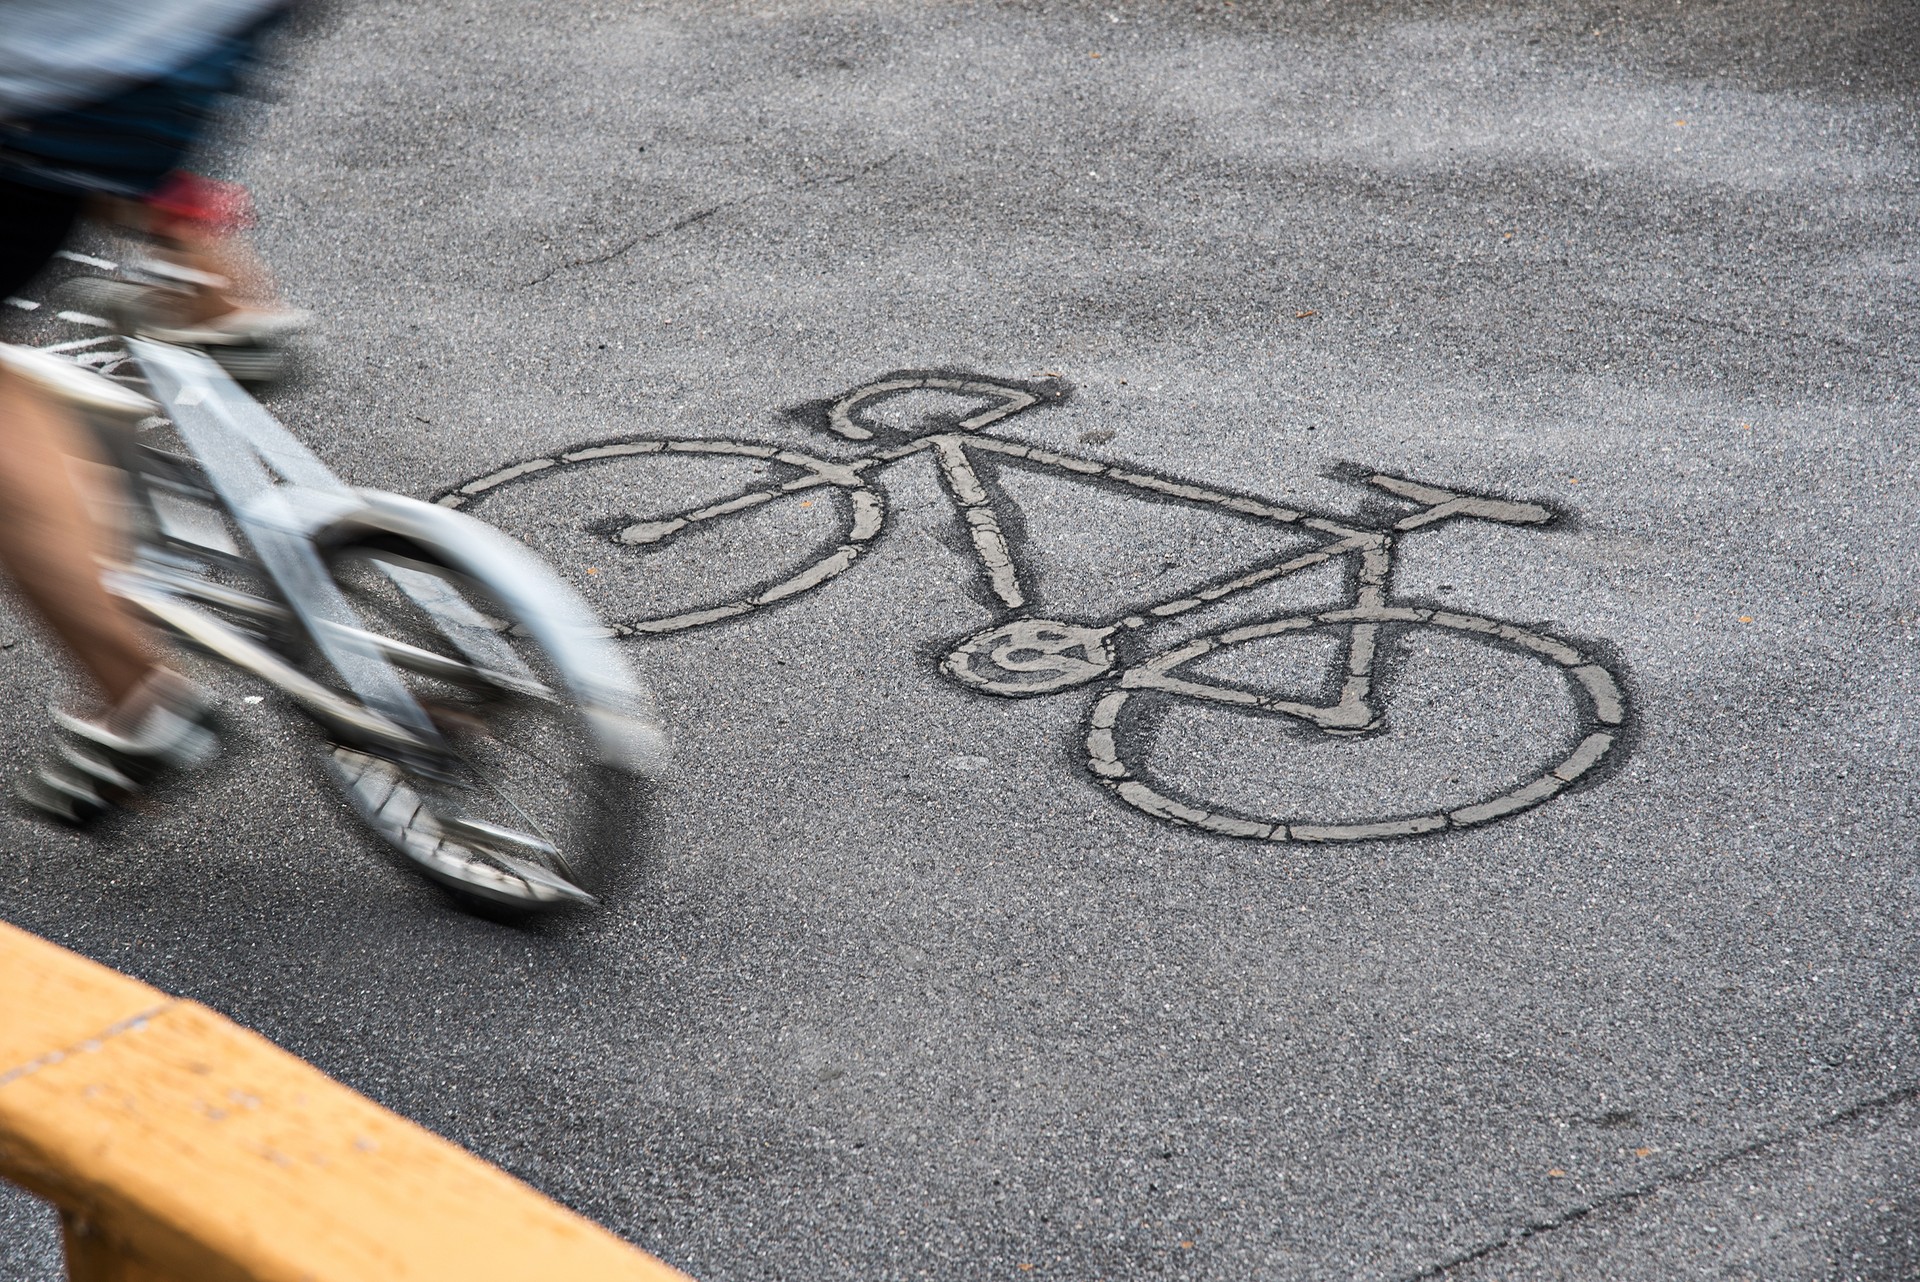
x,y
189,1147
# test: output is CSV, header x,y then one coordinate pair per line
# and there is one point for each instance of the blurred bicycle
x,y
479,719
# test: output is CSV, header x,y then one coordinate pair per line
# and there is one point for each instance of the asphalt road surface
x,y
917,976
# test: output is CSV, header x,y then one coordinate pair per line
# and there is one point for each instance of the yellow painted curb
x,y
183,1146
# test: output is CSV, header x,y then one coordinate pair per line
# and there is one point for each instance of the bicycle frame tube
x,y
1371,585
1001,569
237,441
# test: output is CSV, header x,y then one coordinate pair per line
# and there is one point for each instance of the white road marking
x,y
1022,657
76,344
87,260
1106,758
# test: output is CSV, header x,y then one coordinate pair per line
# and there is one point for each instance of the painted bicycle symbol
x,y
1020,654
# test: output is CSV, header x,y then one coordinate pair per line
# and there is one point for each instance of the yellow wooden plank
x,y
204,1151
92,1258
51,999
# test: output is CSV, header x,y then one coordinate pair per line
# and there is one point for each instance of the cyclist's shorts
x,y
127,144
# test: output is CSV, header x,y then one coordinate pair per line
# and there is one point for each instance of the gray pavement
x,y
901,987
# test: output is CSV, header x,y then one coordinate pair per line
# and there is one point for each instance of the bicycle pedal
x,y
66,801
250,363
95,769
122,302
178,274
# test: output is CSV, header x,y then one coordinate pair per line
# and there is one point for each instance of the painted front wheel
x,y
1121,740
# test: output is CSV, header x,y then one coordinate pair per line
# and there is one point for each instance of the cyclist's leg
x,y
122,145
51,545
196,223
128,151
49,541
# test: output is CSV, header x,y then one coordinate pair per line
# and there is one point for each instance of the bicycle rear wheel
x,y
546,730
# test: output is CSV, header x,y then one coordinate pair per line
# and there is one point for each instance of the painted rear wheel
x,y
707,530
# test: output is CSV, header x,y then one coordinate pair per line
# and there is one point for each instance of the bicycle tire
x,y
534,805
861,517
1599,696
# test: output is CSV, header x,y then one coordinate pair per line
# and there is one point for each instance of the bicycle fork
x,y
1354,712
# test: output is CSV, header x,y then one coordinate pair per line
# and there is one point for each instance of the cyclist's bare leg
x,y
51,545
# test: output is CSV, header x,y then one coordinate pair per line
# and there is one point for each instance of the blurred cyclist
x,y
100,103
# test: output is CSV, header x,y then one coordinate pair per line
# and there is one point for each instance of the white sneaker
x,y
241,327
108,763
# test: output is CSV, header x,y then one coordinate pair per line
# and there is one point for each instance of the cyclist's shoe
x,y
105,763
250,343
241,327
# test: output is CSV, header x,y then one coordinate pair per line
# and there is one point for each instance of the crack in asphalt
x,y
701,215
1689,1175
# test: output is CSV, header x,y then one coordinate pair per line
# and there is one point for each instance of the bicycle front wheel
x,y
546,729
